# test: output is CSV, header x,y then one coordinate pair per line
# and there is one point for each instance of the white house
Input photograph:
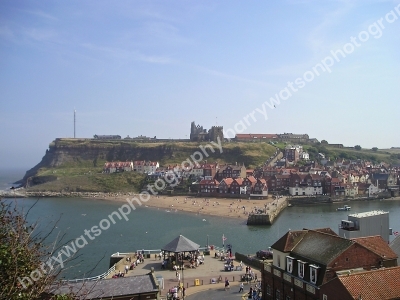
x,y
118,166
304,156
150,166
372,190
142,166
197,171
305,191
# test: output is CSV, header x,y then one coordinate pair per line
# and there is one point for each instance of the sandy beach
x,y
222,207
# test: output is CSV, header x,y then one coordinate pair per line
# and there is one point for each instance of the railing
x,y
152,251
99,277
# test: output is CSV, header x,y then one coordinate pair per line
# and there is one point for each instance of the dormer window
x,y
301,268
289,264
314,273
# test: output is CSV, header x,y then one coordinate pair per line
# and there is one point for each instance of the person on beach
x,y
226,284
250,294
241,287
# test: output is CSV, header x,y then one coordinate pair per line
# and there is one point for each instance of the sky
x,y
152,67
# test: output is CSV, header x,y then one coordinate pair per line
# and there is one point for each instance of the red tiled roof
x,y
372,285
377,245
228,181
212,181
239,180
251,179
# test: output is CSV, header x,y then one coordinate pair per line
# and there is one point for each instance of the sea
x,y
151,228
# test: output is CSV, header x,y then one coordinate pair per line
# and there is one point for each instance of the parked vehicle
x,y
265,254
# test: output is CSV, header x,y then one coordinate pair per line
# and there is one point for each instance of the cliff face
x,y
89,153
62,153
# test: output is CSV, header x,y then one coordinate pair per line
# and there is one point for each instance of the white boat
x,y
346,207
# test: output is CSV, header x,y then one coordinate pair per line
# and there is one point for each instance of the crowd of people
x,y
179,261
176,292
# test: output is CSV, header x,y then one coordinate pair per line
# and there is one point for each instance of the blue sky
x,y
151,67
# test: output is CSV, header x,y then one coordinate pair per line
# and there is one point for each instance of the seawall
x,y
272,212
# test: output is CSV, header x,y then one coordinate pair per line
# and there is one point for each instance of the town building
x,y
199,134
118,166
366,224
379,284
305,263
209,186
293,138
107,137
124,288
255,137
142,166
230,171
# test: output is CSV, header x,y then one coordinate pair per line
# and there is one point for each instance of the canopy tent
x,y
181,244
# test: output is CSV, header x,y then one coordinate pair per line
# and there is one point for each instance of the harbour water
x,y
151,228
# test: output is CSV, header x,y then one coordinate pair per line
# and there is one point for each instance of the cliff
x,y
83,159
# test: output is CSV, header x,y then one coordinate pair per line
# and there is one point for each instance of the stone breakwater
x,y
272,211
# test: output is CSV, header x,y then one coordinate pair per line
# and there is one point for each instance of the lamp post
x,y
183,283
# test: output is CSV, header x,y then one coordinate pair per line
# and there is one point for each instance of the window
x,y
289,264
268,289
313,273
301,265
278,295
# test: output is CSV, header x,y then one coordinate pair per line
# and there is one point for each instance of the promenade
x,y
196,279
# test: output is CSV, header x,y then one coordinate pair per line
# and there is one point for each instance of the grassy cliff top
x,y
77,164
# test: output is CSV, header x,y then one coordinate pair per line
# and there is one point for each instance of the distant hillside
x,y
76,164
391,156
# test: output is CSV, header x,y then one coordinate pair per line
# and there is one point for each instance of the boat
x,y
345,207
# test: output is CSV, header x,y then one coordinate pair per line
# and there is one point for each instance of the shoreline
x,y
233,208
236,208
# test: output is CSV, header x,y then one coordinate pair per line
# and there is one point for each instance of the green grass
x,y
74,181
84,172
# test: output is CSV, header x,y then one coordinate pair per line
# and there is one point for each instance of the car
x,y
265,254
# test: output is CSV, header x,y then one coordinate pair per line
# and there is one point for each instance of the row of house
x,y
235,186
343,178
131,166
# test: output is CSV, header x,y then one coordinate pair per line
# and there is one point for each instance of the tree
x,y
24,273
374,149
324,142
357,147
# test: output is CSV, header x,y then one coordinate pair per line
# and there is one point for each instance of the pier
x,y
210,275
271,212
